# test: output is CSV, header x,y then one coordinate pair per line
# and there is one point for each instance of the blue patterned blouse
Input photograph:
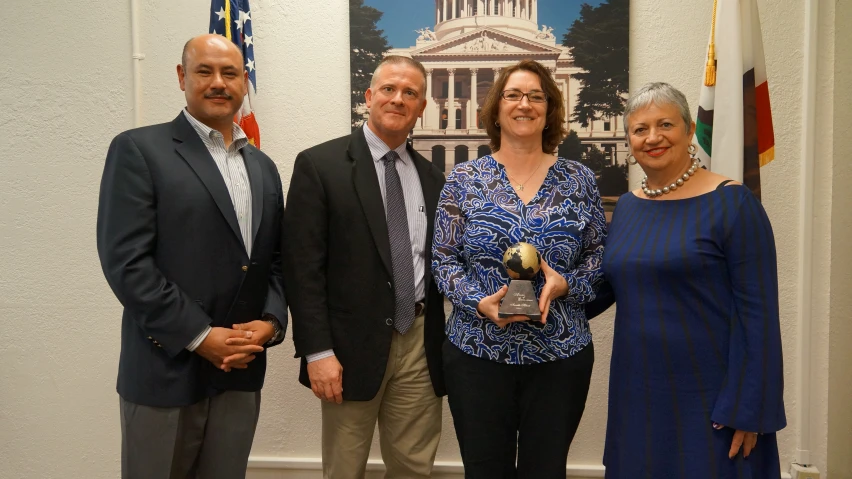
x,y
479,217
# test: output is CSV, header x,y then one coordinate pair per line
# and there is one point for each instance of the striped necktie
x,y
400,244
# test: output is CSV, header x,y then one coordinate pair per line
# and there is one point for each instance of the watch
x,y
276,327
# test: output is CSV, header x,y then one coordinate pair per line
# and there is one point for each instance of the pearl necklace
x,y
651,193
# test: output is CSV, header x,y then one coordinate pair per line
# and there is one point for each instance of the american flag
x,y
232,19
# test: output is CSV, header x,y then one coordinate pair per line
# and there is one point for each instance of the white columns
x,y
444,10
451,99
455,10
437,14
471,153
473,102
534,12
430,102
480,7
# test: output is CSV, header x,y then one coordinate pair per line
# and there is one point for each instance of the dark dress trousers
x,y
337,264
171,250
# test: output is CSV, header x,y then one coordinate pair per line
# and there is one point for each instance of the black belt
x,y
418,308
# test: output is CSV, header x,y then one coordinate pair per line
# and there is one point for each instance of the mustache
x,y
218,94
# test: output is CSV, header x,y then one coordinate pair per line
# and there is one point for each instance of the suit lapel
x,y
193,151
369,194
255,174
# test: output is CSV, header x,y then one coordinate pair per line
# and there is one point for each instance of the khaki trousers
x,y
407,410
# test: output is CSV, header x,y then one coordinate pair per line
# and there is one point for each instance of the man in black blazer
x,y
188,236
368,321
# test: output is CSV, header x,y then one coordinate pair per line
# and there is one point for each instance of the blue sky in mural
x,y
402,17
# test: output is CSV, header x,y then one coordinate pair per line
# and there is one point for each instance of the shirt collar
x,y
238,136
378,148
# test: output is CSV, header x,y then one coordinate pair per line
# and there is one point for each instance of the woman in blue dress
x,y
696,377
517,388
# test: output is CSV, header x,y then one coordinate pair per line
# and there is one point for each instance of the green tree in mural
x,y
595,159
571,148
599,44
367,44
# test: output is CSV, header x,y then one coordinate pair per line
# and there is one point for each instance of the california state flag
x,y
734,125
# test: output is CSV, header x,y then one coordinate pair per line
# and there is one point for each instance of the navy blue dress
x,y
697,338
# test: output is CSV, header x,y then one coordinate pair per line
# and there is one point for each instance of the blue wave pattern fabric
x,y
697,337
479,217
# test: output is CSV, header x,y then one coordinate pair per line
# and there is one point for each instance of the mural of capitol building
x,y
463,54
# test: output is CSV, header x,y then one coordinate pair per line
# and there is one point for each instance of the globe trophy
x,y
522,262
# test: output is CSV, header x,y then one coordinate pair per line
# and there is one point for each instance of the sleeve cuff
x,y
320,355
199,339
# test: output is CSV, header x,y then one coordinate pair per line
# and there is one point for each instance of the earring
x,y
546,127
497,124
691,149
631,160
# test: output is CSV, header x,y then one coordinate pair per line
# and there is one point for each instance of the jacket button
x,y
245,268
149,337
390,286
389,321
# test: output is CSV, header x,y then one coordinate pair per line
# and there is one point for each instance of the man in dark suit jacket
x,y
368,321
188,235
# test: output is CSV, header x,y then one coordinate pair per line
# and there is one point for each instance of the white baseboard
x,y
267,467
260,467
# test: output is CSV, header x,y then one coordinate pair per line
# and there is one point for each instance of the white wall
x,y
66,91
64,95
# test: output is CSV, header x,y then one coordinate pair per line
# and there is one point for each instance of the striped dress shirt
x,y
231,165
415,210
415,207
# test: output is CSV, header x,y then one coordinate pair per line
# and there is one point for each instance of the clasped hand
x,y
555,286
236,347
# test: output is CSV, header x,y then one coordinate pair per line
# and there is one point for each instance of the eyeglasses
x,y
534,96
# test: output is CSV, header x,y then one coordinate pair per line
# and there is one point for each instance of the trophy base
x,y
520,300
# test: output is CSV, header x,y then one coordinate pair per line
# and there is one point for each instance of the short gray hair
x,y
657,93
399,60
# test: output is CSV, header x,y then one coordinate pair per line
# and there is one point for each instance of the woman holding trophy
x,y
518,245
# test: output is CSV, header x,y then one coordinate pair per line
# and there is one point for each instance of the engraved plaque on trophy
x,y
522,262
